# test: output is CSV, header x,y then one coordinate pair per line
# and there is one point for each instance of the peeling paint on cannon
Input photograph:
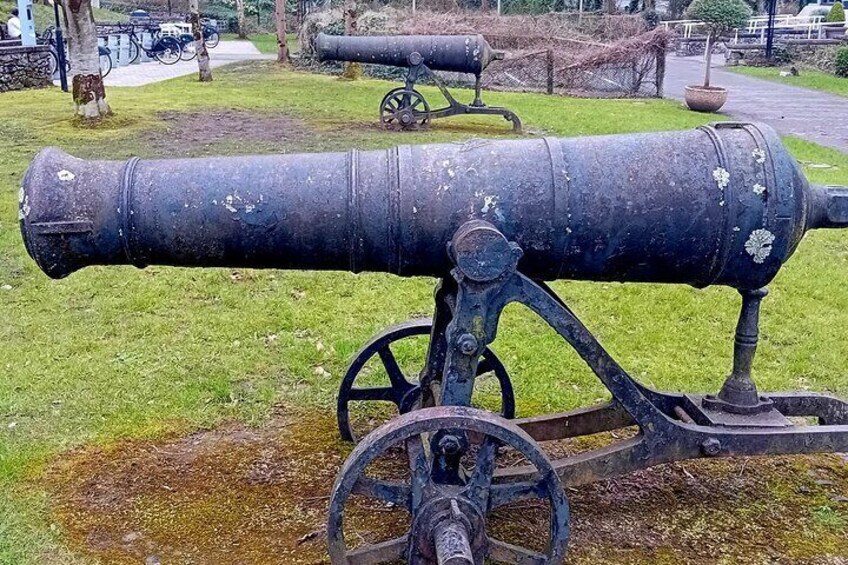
x,y
583,208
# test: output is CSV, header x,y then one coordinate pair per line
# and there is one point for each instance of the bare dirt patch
x,y
196,133
255,496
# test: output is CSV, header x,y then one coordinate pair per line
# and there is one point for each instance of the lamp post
x,y
60,48
772,12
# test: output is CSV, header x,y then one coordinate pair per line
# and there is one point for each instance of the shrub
x,y
720,16
837,13
841,62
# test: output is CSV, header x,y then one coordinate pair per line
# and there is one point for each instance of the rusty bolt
x,y
711,447
449,444
467,344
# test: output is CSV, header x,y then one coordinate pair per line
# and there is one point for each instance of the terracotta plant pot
x,y
705,98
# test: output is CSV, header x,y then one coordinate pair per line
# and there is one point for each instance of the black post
x,y
772,11
60,48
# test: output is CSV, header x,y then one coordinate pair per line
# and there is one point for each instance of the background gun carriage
x,y
405,107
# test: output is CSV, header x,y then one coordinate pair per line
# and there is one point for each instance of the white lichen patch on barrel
x,y
759,155
66,175
23,204
759,189
759,244
722,177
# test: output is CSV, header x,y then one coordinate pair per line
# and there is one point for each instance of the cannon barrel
x,y
456,53
723,204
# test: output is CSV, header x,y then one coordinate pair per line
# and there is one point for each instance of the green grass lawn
x,y
807,78
267,42
111,353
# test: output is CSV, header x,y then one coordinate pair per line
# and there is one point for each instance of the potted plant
x,y
719,17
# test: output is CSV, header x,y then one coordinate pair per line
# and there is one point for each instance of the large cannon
x,y
406,107
492,219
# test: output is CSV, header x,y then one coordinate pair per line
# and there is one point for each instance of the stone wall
x,y
818,53
24,67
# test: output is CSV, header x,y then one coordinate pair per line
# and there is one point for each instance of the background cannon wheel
x,y
401,391
406,109
436,508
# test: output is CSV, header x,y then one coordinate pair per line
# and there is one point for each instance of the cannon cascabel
x,y
724,204
456,53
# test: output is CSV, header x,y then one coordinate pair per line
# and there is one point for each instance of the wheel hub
x,y
448,530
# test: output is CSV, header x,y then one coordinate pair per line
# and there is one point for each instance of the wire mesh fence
x,y
630,65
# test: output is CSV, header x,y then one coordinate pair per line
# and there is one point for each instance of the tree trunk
x,y
353,71
610,5
205,71
242,34
484,5
709,53
282,45
89,94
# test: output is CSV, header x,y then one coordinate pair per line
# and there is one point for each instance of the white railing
x,y
811,26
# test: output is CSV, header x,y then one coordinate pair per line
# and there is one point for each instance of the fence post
x,y
660,54
550,70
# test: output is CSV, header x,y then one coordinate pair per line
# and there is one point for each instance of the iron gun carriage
x,y
492,220
406,107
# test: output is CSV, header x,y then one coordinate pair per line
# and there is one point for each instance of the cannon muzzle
x,y
724,204
457,53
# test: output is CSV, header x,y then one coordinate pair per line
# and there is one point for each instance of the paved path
x,y
146,73
816,116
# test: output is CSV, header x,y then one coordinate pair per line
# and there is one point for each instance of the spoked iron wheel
x,y
403,392
448,491
405,109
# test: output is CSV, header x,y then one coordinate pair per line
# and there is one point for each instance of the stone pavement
x,y
146,73
814,115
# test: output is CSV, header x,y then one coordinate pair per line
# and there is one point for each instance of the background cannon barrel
x,y
725,204
456,53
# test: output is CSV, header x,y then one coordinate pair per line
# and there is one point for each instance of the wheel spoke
x,y
417,102
392,492
383,552
419,467
477,488
386,393
502,552
399,382
507,493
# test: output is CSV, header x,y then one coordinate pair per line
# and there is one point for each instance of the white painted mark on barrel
x,y
722,177
24,207
66,175
759,244
489,203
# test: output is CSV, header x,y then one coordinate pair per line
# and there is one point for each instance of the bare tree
x,y
282,46
242,33
199,45
89,94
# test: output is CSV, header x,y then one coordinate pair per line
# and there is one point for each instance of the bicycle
x,y
165,49
48,36
210,36
210,33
